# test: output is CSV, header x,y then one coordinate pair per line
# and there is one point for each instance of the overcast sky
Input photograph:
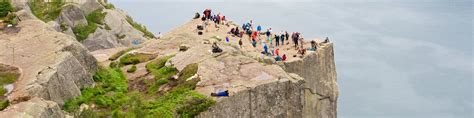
x,y
394,58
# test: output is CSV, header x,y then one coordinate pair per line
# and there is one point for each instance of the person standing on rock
x,y
277,40
282,38
287,36
259,28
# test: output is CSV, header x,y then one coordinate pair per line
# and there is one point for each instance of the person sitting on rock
x,y
278,58
265,49
326,40
215,48
283,58
254,43
313,46
197,15
221,94
240,42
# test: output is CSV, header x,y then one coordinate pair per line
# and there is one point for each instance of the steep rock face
x,y
34,108
280,99
54,66
321,90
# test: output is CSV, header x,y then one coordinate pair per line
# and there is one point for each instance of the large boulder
x,y
72,16
101,39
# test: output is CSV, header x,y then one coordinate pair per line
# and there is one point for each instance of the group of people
x,y
272,43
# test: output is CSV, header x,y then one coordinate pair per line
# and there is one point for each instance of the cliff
x,y
58,56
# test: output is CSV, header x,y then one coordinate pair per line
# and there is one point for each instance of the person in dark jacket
x,y
277,40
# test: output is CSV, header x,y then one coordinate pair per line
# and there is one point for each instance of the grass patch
x,y
134,59
188,71
4,104
8,78
46,11
120,53
140,28
94,18
113,99
82,32
132,69
109,93
160,71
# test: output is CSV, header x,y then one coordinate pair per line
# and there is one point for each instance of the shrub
x,y
46,11
3,91
93,18
140,27
96,16
88,113
4,104
82,32
113,64
5,8
132,69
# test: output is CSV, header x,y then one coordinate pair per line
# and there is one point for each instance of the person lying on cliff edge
x,y
221,94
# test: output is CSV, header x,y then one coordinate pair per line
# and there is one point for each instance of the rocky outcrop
x,y
71,15
54,65
321,90
34,108
260,87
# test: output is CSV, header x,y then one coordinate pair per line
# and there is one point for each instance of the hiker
x,y
259,28
265,48
326,40
231,31
277,51
221,94
301,51
295,39
207,13
254,43
268,32
283,58
197,15
277,40
270,40
227,40
240,42
287,36
278,58
159,35
215,48
313,46
282,38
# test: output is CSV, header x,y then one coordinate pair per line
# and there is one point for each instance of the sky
x,y
394,58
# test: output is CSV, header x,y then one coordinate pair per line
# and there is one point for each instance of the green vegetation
x,y
5,8
113,99
94,18
160,71
82,32
113,64
134,58
107,27
109,93
7,76
140,27
132,69
46,11
107,5
4,104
